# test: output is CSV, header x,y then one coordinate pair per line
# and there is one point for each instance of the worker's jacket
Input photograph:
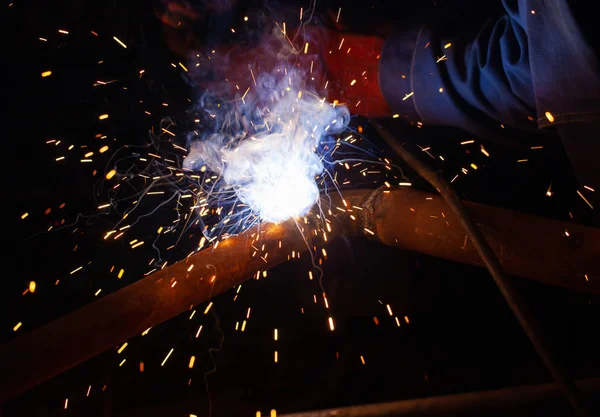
x,y
532,69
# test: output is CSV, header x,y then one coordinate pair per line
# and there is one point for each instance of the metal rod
x,y
505,401
493,265
403,217
527,246
101,325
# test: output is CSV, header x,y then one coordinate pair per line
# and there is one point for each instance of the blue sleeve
x,y
530,63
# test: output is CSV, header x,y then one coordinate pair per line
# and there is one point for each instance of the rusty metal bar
x,y
101,325
505,401
528,246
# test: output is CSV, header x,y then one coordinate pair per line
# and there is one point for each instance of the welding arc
x,y
492,264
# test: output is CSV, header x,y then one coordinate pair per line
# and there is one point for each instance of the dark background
x,y
461,336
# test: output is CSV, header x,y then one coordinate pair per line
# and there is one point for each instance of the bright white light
x,y
273,171
264,145
274,177
271,163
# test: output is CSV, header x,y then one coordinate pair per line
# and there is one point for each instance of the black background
x,y
461,336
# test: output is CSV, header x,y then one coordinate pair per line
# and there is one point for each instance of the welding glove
x,y
340,67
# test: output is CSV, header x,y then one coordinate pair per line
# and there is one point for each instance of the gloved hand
x,y
340,67
352,65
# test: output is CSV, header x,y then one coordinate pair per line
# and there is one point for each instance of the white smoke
x,y
271,166
273,171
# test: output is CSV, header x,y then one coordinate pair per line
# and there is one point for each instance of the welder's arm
x,y
529,70
473,81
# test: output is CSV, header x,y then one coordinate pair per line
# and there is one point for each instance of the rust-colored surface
x,y
528,246
64,343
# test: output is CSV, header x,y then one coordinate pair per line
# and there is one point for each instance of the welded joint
x,y
369,205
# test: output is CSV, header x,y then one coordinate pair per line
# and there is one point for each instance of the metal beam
x,y
528,246
505,401
538,248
